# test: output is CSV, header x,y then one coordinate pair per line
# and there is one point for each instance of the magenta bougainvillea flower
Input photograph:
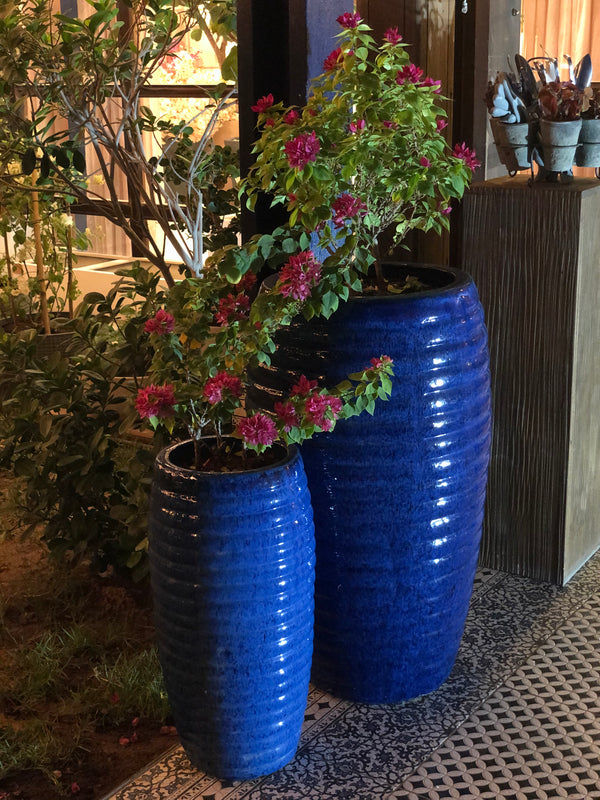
x,y
215,386
357,125
345,207
263,104
388,123
349,20
409,74
304,387
316,408
247,282
155,401
440,124
162,322
287,415
333,60
291,117
302,149
231,308
430,82
467,155
392,36
299,275
425,162
377,363
257,430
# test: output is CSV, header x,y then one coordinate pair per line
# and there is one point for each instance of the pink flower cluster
x,y
162,322
392,36
430,82
357,126
467,155
413,74
333,60
291,117
222,381
383,361
302,149
346,206
263,104
232,307
316,408
409,74
155,401
349,20
258,429
299,275
287,414
304,387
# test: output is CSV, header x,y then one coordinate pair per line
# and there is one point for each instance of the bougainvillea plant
x,y
211,331
366,154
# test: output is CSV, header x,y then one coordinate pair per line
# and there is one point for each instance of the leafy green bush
x,y
63,420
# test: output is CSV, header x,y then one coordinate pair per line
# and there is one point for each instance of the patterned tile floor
x,y
518,718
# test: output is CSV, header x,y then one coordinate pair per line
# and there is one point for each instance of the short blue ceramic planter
x,y
398,498
232,568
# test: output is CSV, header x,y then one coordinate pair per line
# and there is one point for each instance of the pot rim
x,y
459,280
290,454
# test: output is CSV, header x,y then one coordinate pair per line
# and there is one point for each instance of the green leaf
x,y
45,425
45,165
322,173
265,244
79,161
229,67
28,161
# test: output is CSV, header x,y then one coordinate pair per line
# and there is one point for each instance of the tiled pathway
x,y
518,718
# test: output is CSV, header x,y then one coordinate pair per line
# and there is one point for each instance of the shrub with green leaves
x,y
62,425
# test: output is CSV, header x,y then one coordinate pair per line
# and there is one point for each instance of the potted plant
x,y
398,499
588,151
560,106
510,122
37,283
231,532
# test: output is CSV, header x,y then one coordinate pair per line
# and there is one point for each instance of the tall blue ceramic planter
x,y
398,498
232,569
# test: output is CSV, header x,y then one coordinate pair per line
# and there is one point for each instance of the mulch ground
x,y
105,759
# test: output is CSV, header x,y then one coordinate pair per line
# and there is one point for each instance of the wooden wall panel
x,y
428,26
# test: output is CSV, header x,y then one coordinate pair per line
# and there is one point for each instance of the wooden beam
x,y
280,47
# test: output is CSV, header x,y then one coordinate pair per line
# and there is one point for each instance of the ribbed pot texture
x,y
398,498
232,569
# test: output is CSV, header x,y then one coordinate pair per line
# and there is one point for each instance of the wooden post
x,y
280,47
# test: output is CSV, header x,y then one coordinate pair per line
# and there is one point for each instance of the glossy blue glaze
x,y
398,498
232,569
